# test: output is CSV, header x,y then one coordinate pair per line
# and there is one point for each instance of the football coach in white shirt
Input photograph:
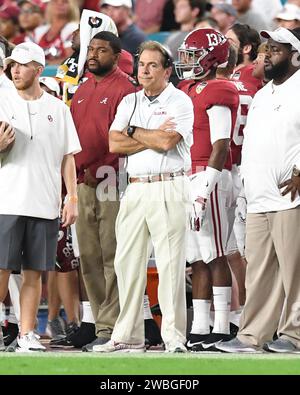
x,y
154,128
30,182
271,174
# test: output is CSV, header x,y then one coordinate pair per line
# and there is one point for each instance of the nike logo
x,y
80,101
189,344
207,345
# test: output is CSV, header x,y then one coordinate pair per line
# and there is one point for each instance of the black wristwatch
x,y
296,171
131,130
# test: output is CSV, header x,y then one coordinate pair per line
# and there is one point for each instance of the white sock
x,y
222,302
147,311
87,315
201,309
12,316
14,287
235,317
211,318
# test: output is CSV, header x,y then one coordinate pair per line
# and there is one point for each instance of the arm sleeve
x,y
122,115
219,123
72,144
184,119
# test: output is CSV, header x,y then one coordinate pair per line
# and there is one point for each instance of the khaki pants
x,y
151,212
272,278
95,228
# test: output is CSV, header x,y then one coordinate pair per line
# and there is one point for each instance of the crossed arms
x,y
162,139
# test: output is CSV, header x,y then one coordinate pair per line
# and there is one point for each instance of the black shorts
x,y
28,243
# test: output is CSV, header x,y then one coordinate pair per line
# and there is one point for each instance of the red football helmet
x,y
201,50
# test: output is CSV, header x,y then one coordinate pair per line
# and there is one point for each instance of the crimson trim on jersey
x,y
219,221
214,224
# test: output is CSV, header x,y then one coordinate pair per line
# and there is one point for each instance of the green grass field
x,y
150,363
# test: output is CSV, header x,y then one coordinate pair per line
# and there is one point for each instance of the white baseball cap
x,y
117,3
282,36
26,52
290,12
51,84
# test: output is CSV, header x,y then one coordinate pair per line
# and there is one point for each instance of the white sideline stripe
x,y
156,354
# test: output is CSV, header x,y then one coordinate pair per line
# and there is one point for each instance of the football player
x,y
246,40
215,109
237,211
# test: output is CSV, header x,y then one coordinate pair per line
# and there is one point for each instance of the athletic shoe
x,y
71,328
112,346
152,335
177,347
13,346
195,339
233,329
235,345
10,333
55,328
29,342
197,348
213,339
96,342
281,346
2,345
65,342
84,336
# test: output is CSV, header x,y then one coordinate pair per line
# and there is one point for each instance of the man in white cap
x,y
289,16
30,182
271,174
50,85
225,15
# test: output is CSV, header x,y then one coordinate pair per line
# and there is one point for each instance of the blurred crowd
x,y
51,23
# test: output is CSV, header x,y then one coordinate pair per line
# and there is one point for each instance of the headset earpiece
x,y
168,61
168,57
135,65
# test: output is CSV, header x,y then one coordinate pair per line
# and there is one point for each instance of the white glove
x,y
198,215
241,209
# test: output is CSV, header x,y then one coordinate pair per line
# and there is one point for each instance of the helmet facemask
x,y
189,64
201,52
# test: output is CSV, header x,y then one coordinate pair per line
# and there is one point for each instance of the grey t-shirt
x,y
254,20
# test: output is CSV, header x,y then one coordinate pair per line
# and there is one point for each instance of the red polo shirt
x,y
93,107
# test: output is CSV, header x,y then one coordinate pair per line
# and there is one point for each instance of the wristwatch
x,y
296,172
131,130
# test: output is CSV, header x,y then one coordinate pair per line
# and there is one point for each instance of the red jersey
x,y
246,93
93,107
244,74
206,94
54,48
